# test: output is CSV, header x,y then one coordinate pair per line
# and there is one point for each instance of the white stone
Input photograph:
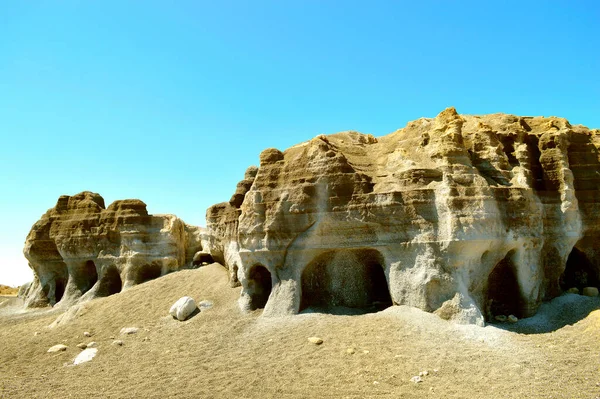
x,y
183,308
91,345
129,330
57,348
85,356
590,291
416,379
87,334
82,345
118,342
315,340
423,373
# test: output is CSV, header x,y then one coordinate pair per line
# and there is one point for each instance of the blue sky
x,y
169,102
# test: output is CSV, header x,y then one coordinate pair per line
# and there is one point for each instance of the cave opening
x,y
59,289
147,272
110,283
260,285
503,293
87,277
579,272
347,282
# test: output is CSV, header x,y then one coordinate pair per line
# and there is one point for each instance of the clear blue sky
x,y
169,102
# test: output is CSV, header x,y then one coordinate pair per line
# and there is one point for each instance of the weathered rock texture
x,y
80,250
466,216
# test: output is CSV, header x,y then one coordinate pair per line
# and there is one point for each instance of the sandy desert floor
x,y
221,352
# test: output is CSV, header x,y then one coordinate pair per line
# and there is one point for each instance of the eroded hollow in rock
x,y
346,279
86,276
579,272
110,283
260,285
55,289
503,296
147,272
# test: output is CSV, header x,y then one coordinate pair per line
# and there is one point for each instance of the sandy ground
x,y
222,353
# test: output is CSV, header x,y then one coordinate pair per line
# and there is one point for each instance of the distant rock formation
x,y
466,216
80,250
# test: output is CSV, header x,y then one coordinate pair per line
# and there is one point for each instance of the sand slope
x,y
223,353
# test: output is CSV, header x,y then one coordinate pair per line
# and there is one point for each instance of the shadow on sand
x,y
562,311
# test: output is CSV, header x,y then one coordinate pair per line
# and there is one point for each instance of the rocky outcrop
x,y
80,249
466,216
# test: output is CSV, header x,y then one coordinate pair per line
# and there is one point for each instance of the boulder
x,y
590,291
474,216
129,330
80,249
183,308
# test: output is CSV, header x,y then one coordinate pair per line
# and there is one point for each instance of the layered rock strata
x,y
81,250
466,216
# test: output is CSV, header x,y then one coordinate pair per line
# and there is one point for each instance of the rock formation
x,y
466,216
80,250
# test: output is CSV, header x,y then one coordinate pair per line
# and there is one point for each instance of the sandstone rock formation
x,y
80,250
466,216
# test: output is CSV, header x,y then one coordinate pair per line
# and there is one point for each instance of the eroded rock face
x,y
470,216
80,250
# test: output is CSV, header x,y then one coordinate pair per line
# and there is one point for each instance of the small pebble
x,y
315,340
57,348
573,290
351,351
87,334
416,379
365,352
423,373
129,330
82,345
512,318
118,342
590,291
92,345
500,318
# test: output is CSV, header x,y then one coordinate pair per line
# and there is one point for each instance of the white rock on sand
x,y
57,348
129,330
183,308
315,340
85,356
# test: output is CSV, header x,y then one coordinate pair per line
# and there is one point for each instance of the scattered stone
x,y
512,318
590,291
205,304
87,334
573,290
85,356
57,348
375,382
366,352
315,340
351,351
501,318
129,330
423,373
416,379
118,342
435,370
82,345
35,334
92,345
183,308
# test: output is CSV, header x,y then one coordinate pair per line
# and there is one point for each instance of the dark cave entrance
x,y
87,277
110,283
579,272
59,289
260,284
147,273
346,281
233,278
503,292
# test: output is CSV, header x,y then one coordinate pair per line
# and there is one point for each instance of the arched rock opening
x,y
259,286
503,295
346,278
579,272
86,276
147,272
110,283
55,289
